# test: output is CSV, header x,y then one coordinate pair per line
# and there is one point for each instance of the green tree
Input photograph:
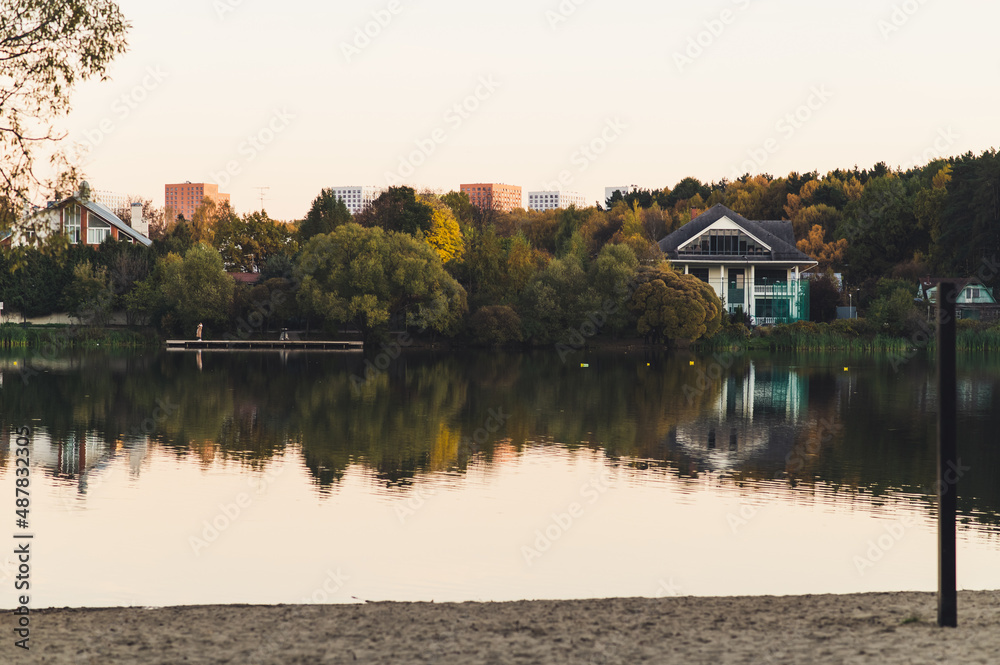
x,y
366,277
326,214
247,243
89,296
47,47
397,209
196,289
556,302
611,277
461,207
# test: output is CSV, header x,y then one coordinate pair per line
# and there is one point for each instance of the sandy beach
x,y
857,628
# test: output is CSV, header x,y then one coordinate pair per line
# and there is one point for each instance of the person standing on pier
x,y
198,334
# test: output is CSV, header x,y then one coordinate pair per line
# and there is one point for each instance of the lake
x,y
288,477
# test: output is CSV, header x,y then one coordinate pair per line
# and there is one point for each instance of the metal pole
x,y
947,457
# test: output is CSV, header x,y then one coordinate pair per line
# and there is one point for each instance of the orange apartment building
x,y
184,199
501,197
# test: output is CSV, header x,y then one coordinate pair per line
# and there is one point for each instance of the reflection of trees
x,y
802,418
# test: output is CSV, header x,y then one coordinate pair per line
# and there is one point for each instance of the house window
x,y
972,294
700,273
72,217
97,232
727,242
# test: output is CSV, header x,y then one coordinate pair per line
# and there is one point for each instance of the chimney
x,y
137,222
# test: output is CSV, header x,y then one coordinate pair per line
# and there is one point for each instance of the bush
x,y
495,325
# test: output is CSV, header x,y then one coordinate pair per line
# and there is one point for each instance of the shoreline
x,y
894,627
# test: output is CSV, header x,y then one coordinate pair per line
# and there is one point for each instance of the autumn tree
x,y
828,254
671,306
47,47
444,234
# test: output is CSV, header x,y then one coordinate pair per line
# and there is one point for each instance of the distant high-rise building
x,y
494,195
112,200
356,197
624,189
555,199
184,199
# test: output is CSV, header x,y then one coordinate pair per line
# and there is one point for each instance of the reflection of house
x,y
974,300
752,414
753,266
85,221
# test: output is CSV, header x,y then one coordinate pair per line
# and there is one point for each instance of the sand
x,y
859,628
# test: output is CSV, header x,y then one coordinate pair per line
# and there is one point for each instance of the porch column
x,y
751,300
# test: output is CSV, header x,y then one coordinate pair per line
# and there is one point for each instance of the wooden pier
x,y
260,345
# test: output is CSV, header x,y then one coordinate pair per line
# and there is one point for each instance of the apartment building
x,y
494,195
184,198
624,189
356,197
555,199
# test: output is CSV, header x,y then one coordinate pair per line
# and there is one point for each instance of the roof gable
x,y
776,235
104,214
726,224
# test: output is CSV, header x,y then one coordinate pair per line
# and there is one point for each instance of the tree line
x,y
438,263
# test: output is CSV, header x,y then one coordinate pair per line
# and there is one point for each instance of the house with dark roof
x,y
84,221
753,266
974,300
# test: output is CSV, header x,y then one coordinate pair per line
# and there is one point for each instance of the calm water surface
x,y
173,478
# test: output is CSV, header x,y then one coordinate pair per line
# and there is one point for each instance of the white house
x,y
753,266
356,197
555,199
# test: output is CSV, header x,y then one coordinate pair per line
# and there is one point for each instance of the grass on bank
x,y
848,335
13,335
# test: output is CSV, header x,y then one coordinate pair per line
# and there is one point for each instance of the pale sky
x,y
256,93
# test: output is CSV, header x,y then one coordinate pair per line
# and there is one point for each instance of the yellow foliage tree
x,y
445,235
827,254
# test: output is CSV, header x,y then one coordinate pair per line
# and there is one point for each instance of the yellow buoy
x,y
692,363
845,369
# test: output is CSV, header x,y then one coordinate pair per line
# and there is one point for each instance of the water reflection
x,y
818,423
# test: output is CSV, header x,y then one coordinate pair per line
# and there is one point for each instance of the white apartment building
x,y
112,200
624,189
356,197
555,199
